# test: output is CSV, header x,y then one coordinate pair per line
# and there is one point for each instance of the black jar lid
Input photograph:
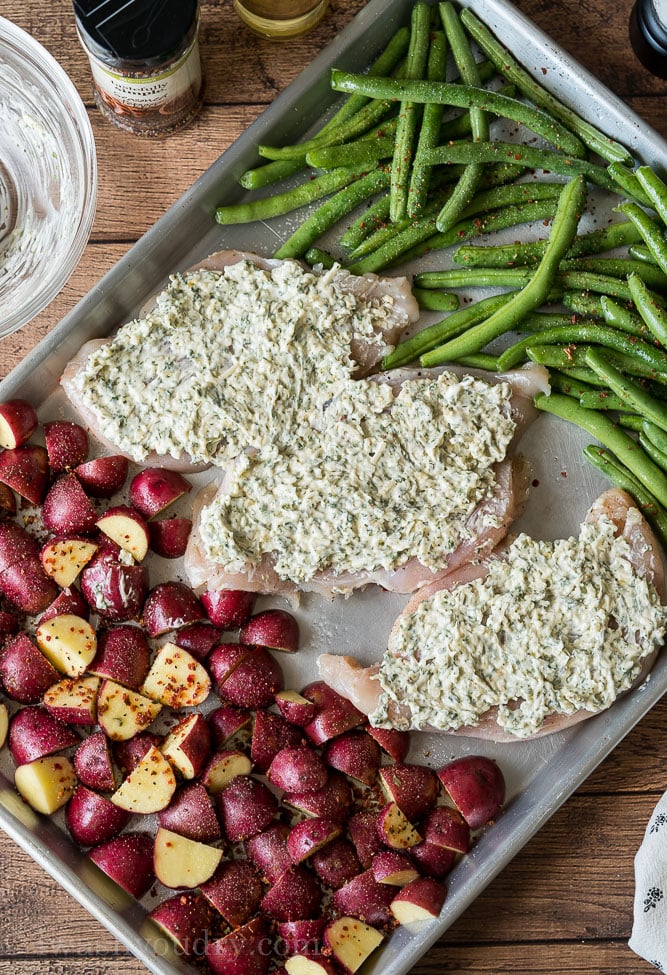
x,y
135,30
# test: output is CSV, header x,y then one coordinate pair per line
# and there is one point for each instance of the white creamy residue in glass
x,y
554,628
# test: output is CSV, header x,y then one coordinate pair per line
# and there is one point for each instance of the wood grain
x,y
564,905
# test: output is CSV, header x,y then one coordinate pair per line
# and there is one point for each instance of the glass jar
x,y
144,58
281,19
648,34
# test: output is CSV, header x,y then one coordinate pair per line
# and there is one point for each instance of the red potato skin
x,y
16,545
392,741
227,721
333,801
245,951
103,477
275,629
433,861
299,937
223,660
197,638
355,754
444,826
335,714
268,851
25,469
93,764
123,655
27,586
68,600
21,422
129,753
92,819
296,895
196,745
390,862
297,712
8,505
298,770
34,733
127,859
114,590
67,445
235,890
362,828
192,814
476,786
170,606
270,734
186,917
254,682
426,892
67,509
365,898
82,712
414,788
228,609
8,624
25,673
310,835
336,863
169,536
246,807
153,489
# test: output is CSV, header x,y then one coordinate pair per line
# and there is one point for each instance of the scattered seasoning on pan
x,y
144,57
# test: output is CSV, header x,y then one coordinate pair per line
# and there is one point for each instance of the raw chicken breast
x,y
361,685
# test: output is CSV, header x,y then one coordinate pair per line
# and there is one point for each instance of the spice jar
x,y
144,57
648,35
280,19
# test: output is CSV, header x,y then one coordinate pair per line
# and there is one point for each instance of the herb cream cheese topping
x,y
554,628
252,370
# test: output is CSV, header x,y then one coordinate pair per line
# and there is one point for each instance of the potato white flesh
x,y
187,745
149,786
64,558
182,862
73,700
176,678
4,724
68,642
47,783
123,713
351,942
223,767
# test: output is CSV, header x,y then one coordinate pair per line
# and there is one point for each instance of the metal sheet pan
x,y
541,774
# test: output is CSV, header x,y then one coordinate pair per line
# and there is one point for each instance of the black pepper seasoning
x,y
144,57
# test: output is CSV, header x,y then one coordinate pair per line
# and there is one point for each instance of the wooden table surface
x,y
565,903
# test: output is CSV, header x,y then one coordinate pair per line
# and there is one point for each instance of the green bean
x,y
409,114
436,300
479,124
535,292
629,391
618,267
462,96
436,70
509,67
589,334
588,281
640,252
655,434
345,123
315,255
568,357
520,254
619,317
579,374
520,154
508,216
602,399
560,382
275,206
434,335
657,456
646,303
628,182
361,152
651,234
655,189
269,173
539,321
419,237
479,361
631,421
582,303
518,277
608,433
623,478
331,211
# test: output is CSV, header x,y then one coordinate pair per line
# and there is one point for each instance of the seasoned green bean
x,y
655,434
608,433
434,335
655,189
462,96
508,66
618,267
628,182
657,456
569,357
636,399
331,211
623,478
590,334
479,360
269,173
275,206
640,252
315,255
436,300
620,317
603,399
361,152
651,233
420,179
560,382
646,303
409,114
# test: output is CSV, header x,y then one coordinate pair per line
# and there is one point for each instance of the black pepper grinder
x,y
648,35
144,58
